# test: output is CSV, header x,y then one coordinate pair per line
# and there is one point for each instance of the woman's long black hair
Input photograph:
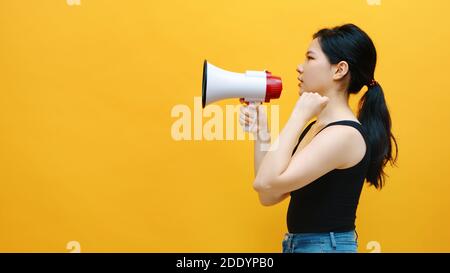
x,y
351,44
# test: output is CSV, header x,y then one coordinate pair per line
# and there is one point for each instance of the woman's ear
x,y
340,70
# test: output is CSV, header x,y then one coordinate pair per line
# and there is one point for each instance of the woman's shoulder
x,y
350,138
343,125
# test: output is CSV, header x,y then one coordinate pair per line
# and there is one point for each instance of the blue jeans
x,y
330,242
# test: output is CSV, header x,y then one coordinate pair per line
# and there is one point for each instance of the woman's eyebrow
x,y
309,52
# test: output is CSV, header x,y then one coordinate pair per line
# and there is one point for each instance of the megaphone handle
x,y
250,127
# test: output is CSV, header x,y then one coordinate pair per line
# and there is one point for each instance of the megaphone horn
x,y
251,86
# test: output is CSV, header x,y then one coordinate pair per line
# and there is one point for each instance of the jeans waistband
x,y
331,235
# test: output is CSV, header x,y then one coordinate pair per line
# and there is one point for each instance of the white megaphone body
x,y
251,86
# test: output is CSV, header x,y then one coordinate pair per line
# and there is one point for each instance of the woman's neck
x,y
337,108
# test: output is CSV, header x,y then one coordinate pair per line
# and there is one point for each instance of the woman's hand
x,y
309,105
253,117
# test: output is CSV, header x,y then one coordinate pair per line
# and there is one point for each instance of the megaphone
x,y
250,87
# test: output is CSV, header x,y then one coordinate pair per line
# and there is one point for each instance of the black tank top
x,y
329,203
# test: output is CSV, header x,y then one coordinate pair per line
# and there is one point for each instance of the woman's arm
x,y
277,160
332,148
280,173
261,145
260,150
256,115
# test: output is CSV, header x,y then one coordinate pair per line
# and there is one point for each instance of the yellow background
x,y
86,152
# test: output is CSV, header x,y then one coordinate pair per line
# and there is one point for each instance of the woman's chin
x,y
301,90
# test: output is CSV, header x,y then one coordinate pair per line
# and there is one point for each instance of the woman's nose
x,y
300,69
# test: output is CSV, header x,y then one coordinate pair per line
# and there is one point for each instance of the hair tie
x,y
372,83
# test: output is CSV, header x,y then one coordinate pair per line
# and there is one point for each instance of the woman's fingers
x,y
245,120
242,122
248,116
248,112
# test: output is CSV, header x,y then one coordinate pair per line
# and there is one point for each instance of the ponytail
x,y
374,116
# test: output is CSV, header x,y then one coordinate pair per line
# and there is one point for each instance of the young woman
x,y
323,166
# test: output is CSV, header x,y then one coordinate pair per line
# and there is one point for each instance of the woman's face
x,y
315,74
